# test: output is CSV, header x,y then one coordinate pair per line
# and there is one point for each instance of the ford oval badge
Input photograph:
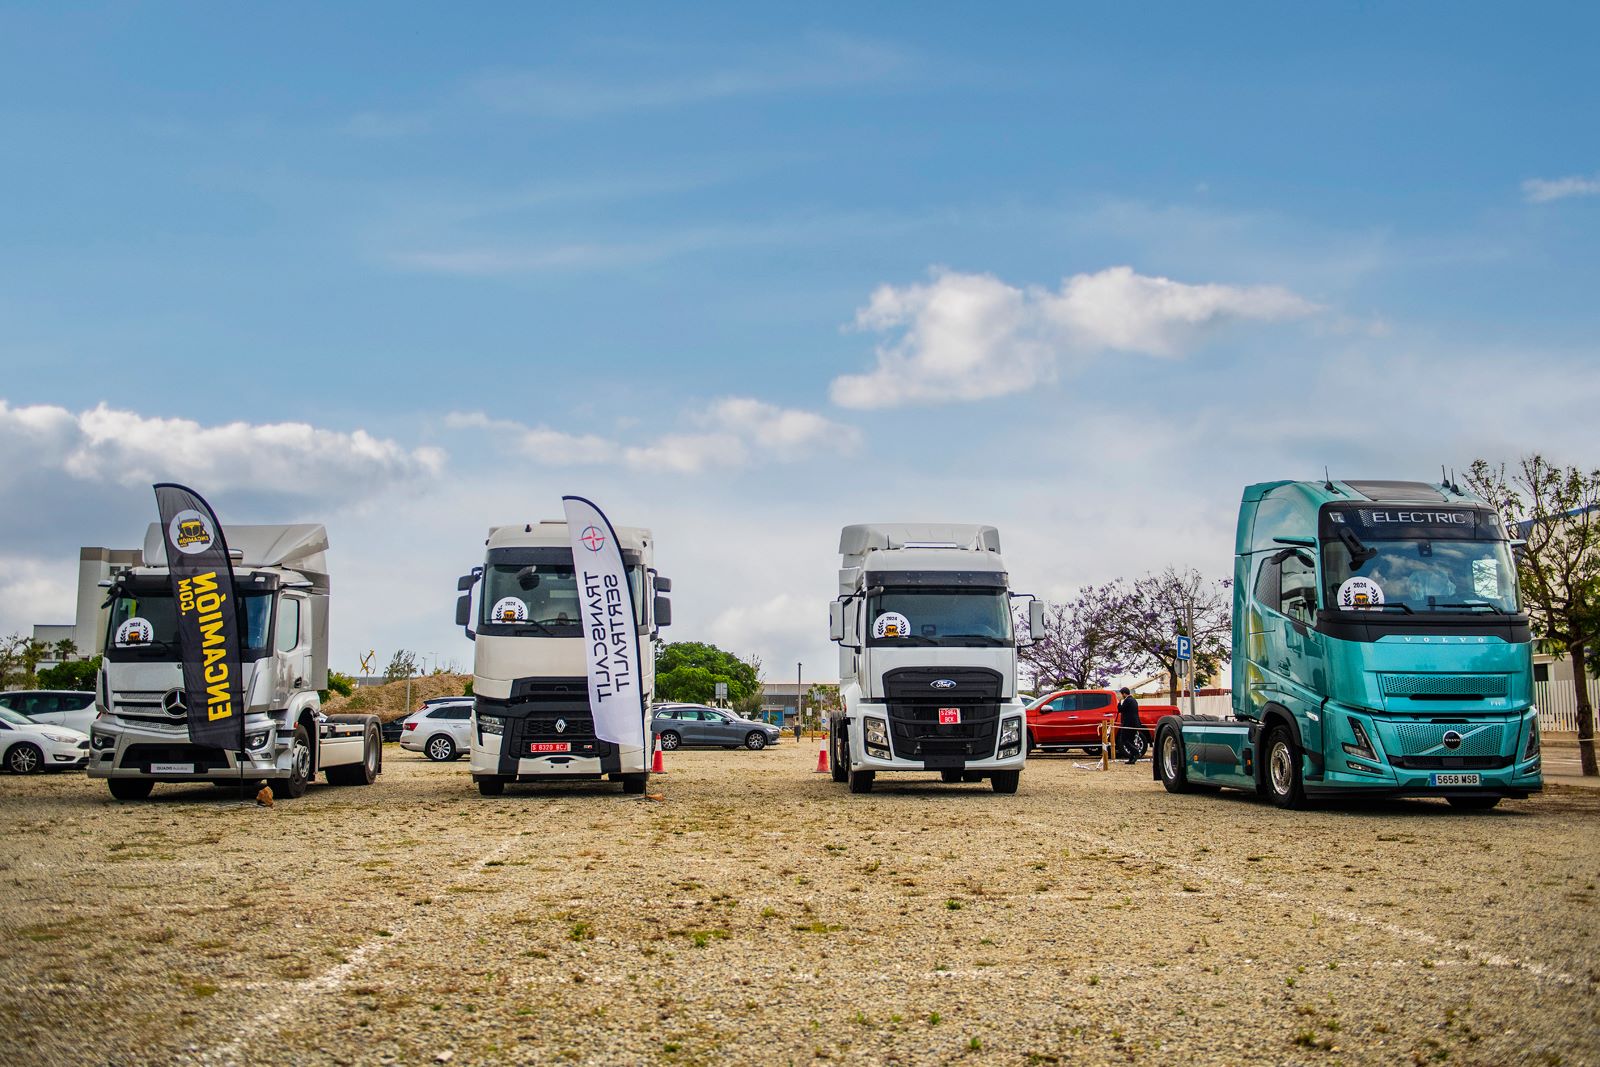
x,y
943,683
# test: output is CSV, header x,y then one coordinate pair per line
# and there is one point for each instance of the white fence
x,y
1558,704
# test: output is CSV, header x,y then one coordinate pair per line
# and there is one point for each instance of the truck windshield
x,y
939,616
157,609
539,599
1420,575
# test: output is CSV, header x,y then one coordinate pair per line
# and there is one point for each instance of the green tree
x,y
1558,511
342,684
71,674
690,670
401,666
19,661
65,649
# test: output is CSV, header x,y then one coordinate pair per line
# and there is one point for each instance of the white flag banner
x,y
610,633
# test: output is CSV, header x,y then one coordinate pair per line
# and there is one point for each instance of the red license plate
x,y
550,746
949,716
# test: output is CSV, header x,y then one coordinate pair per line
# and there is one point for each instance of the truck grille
x,y
143,704
914,700
1445,686
1428,738
537,705
141,756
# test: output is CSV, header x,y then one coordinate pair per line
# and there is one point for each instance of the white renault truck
x,y
281,591
531,719
927,656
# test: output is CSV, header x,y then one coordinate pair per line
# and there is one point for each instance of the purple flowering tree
x,y
1081,647
1158,607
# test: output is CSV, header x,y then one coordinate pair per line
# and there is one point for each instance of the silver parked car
x,y
695,724
53,707
439,730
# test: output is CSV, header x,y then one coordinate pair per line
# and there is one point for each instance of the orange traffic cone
x,y
657,766
822,761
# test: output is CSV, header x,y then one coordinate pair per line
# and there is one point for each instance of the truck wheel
x,y
1284,787
1473,803
861,781
24,758
634,783
294,786
755,740
1005,781
839,755
491,787
130,788
670,740
1170,761
440,748
950,776
365,772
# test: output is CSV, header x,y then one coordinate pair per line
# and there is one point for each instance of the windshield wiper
x,y
1474,604
908,639
523,631
975,640
1359,553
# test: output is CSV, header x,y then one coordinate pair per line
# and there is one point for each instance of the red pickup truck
x,y
1071,718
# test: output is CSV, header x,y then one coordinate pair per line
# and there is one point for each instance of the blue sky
x,y
745,276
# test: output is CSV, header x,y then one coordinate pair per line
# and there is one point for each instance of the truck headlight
x,y
1010,737
257,740
877,737
491,724
1363,746
1533,739
101,741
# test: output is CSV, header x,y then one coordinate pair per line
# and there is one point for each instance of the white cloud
x,y
972,336
1544,190
732,432
107,445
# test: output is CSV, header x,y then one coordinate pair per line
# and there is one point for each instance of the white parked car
x,y
27,746
71,708
441,731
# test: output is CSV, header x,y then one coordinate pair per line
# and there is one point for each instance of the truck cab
x,y
1379,648
927,656
281,593
531,719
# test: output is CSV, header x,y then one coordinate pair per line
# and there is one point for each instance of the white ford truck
x,y
927,656
281,591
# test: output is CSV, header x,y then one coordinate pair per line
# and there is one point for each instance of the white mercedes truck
x,y
531,720
927,656
281,593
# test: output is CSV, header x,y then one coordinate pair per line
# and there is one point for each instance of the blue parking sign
x,y
1183,647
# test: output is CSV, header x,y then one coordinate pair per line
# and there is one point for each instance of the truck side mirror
x,y
663,585
1035,621
663,608
466,582
464,610
836,621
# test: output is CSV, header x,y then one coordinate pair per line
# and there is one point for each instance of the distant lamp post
x,y
799,697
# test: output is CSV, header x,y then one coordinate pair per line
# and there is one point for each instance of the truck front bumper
x,y
871,748
486,762
162,752
1485,756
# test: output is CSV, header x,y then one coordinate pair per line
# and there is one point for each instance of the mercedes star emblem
x,y
174,702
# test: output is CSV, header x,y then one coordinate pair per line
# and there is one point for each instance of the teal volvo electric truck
x,y
1379,649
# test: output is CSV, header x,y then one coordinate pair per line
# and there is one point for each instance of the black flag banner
x,y
208,617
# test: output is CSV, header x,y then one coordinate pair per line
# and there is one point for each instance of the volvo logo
x,y
174,702
1451,739
561,726
942,683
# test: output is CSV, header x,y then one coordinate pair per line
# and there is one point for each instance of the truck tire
x,y
299,778
130,788
1473,803
24,758
1282,778
491,787
861,781
950,776
634,783
670,740
365,772
755,740
440,748
1005,781
839,753
1171,761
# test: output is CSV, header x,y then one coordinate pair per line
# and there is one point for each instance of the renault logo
x,y
175,702
561,726
942,683
1451,739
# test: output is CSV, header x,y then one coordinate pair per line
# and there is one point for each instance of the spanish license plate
x,y
1455,779
171,768
949,716
550,746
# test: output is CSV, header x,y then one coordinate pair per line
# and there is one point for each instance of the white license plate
x,y
171,768
1455,779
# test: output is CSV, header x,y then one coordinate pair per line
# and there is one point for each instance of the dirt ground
x,y
751,910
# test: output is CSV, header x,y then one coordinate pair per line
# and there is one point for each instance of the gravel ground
x,y
751,910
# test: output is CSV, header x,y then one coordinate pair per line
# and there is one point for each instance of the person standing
x,y
1127,724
